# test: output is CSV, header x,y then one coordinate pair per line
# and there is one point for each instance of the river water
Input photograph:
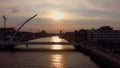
x,y
45,56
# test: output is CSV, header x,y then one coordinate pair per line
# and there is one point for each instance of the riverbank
x,y
104,59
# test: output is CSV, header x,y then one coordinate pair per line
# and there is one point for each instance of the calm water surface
x,y
45,56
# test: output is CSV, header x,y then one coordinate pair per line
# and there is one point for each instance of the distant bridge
x,y
35,43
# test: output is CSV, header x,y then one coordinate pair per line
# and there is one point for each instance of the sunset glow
x,y
57,15
53,14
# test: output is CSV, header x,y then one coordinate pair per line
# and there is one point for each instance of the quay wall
x,y
105,60
100,57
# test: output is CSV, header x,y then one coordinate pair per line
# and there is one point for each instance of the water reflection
x,y
56,39
56,47
57,61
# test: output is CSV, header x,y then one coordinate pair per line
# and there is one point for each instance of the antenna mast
x,y
4,36
4,21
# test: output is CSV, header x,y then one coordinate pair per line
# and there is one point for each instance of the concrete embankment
x,y
104,59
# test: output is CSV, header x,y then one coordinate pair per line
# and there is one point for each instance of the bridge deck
x,y
36,43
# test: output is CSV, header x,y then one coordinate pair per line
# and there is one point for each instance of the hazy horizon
x,y
56,15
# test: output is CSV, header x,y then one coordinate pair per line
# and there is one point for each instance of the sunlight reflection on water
x,y
47,47
56,47
57,61
56,39
42,56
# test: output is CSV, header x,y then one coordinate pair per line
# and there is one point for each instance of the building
x,y
104,33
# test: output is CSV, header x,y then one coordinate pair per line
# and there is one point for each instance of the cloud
x,y
78,7
15,10
104,5
77,12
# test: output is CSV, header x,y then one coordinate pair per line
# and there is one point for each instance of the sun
x,y
57,15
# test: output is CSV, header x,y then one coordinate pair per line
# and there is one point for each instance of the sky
x,y
77,14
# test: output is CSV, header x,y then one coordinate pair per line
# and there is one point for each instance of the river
x,y
45,56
